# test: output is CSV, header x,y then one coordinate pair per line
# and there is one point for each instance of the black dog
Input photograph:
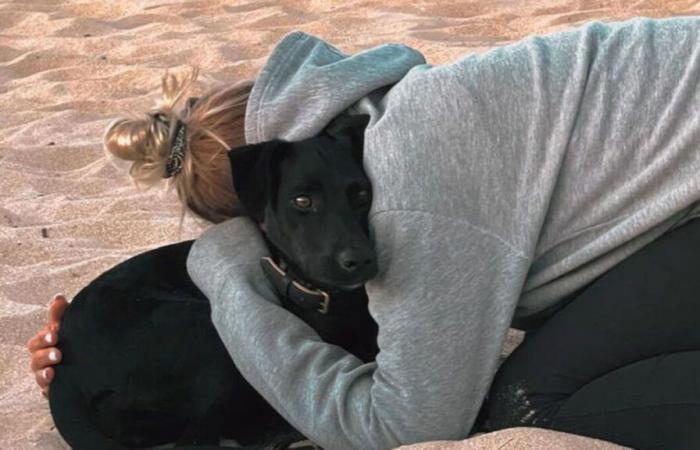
x,y
312,199
142,363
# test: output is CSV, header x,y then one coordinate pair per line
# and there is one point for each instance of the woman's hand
x,y
42,346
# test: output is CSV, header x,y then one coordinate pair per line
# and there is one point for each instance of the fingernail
x,y
53,356
48,338
53,299
45,374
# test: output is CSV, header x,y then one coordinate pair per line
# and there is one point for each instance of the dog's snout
x,y
354,260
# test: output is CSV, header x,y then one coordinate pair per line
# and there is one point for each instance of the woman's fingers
x,y
44,378
47,336
43,339
42,345
57,306
44,358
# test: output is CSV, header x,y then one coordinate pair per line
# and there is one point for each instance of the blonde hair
x,y
214,124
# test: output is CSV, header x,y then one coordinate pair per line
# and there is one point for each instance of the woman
x,y
548,184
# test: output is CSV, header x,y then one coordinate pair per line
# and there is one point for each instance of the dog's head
x,y
311,199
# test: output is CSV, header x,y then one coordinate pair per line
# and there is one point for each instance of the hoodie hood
x,y
307,82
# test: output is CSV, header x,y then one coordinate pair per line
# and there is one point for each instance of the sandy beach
x,y
67,68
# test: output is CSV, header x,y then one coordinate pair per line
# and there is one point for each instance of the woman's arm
x,y
42,345
443,306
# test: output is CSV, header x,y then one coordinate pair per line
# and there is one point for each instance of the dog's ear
x,y
255,173
352,127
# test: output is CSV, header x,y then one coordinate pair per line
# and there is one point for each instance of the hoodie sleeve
x,y
442,316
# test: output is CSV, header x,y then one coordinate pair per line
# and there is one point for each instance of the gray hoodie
x,y
502,182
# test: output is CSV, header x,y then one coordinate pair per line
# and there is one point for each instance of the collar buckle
x,y
323,309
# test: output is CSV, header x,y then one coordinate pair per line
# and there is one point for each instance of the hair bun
x,y
215,123
143,141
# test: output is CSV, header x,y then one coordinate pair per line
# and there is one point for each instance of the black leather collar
x,y
294,291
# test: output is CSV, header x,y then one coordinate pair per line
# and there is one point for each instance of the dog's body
x,y
142,363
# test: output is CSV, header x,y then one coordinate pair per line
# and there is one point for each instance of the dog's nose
x,y
354,260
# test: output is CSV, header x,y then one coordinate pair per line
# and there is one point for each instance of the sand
x,y
68,67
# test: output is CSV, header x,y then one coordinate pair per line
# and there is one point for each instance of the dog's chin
x,y
337,280
351,287
339,284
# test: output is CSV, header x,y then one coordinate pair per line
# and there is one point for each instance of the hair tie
x,y
177,151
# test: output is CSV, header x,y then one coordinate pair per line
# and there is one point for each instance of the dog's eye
x,y
302,201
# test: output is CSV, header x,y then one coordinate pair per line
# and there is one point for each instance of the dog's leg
x,y
208,412
72,420
203,430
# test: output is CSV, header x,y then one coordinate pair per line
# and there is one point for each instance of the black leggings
x,y
620,362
